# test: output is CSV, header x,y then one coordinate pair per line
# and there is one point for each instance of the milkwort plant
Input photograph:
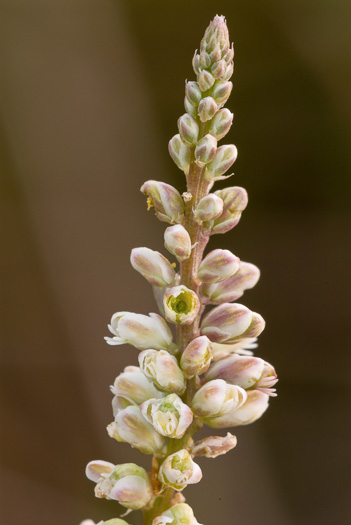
x,y
208,376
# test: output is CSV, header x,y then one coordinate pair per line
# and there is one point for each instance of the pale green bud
x,y
180,514
131,427
196,63
197,357
205,150
221,123
232,288
188,129
128,484
179,470
163,370
189,108
204,60
178,242
216,54
207,109
205,80
221,91
153,266
169,416
181,305
219,69
168,203
210,207
214,446
229,72
141,331
217,398
230,322
225,157
234,203
217,266
193,92
228,57
255,405
180,153
245,371
131,385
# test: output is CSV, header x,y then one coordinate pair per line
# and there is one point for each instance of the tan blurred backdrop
x,y
90,94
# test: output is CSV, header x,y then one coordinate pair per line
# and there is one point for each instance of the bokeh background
x,y
90,94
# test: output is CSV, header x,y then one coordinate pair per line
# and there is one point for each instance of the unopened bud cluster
x,y
207,375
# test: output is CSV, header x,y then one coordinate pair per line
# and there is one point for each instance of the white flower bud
x,y
255,405
234,202
228,57
210,207
178,242
196,63
169,416
197,357
193,92
189,108
232,288
180,514
247,372
131,427
221,91
188,129
219,69
205,150
181,305
163,370
221,123
229,72
217,266
225,157
132,385
179,470
214,446
153,266
180,153
128,484
217,398
205,80
204,60
141,331
216,53
207,109
229,322
169,205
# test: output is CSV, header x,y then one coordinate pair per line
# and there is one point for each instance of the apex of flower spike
x,y
216,38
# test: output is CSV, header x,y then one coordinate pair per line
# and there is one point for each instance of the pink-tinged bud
x,y
188,129
180,153
128,484
210,207
217,266
230,322
216,54
205,60
189,108
255,405
232,288
169,205
222,90
205,150
131,385
169,416
179,470
178,242
216,35
163,370
217,398
153,266
181,305
229,72
131,427
225,157
196,63
95,470
221,123
180,514
193,93
205,80
228,57
197,357
234,203
207,109
141,331
214,446
247,372
219,69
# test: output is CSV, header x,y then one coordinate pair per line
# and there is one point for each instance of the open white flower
x,y
179,470
169,416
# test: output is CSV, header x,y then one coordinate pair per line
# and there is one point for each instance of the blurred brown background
x,y
90,94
